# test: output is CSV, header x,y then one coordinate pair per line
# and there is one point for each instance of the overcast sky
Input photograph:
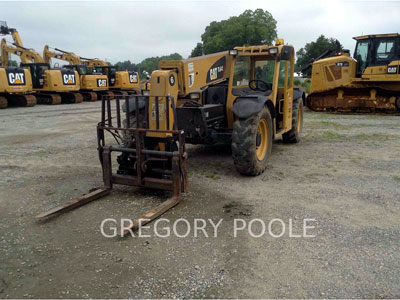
x,y
134,30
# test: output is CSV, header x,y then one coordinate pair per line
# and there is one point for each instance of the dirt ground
x,y
345,174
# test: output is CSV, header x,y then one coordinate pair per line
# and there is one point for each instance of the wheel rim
x,y
299,119
262,130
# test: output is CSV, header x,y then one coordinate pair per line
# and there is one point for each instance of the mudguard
x,y
245,107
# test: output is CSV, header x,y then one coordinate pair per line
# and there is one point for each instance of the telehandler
x,y
92,86
52,86
121,82
367,82
243,96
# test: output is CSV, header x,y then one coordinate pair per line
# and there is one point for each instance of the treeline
x,y
149,64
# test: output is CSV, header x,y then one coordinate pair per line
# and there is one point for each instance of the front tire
x,y
293,135
252,143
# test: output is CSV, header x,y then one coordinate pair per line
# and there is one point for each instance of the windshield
x,y
241,75
264,70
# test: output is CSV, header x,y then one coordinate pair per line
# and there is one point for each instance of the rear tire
x,y
293,135
252,143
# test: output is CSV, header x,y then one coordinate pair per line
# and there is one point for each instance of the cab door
x,y
284,104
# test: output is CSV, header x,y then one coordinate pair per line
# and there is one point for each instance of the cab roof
x,y
371,36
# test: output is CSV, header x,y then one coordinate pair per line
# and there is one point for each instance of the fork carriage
x,y
149,158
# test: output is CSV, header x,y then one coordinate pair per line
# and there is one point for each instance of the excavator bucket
x,y
146,157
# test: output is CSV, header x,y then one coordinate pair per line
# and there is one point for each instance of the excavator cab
x,y
37,72
81,69
109,71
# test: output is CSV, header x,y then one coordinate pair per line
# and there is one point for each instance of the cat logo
x,y
133,78
16,78
101,82
392,70
217,70
69,79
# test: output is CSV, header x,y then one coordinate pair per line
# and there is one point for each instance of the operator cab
x,y
110,71
81,69
376,50
37,72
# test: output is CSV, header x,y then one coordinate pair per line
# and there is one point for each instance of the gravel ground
x,y
344,174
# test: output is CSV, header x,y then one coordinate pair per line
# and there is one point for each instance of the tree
x,y
150,64
126,65
250,28
12,63
197,51
313,50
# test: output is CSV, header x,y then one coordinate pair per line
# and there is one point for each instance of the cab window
x,y
282,73
361,54
241,75
385,51
264,70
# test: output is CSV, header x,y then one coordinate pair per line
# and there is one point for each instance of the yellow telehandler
x,y
243,97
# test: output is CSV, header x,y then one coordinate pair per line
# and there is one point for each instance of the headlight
x,y
233,52
273,50
194,96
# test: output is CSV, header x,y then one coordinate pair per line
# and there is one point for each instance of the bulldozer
x,y
92,86
367,82
121,82
243,97
51,86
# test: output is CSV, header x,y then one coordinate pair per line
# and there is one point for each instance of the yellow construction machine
x,y
15,83
243,97
367,82
121,82
15,87
52,86
92,86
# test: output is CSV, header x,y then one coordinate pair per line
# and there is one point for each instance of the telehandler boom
x,y
92,86
244,97
367,82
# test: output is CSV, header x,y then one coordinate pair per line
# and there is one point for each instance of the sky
x,y
133,30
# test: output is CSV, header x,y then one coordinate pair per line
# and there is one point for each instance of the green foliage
x,y
12,63
250,28
302,84
312,50
126,65
197,51
149,64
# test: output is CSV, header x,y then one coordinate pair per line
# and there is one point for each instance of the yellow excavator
x,y
52,86
92,86
16,87
244,97
121,82
15,83
367,82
